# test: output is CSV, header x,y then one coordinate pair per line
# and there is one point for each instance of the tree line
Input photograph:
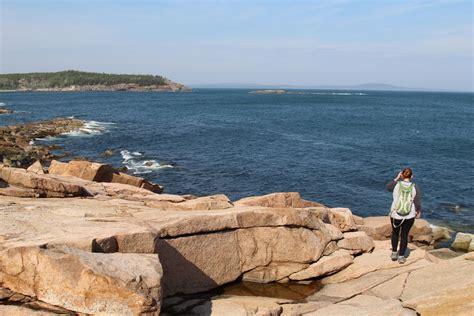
x,y
62,79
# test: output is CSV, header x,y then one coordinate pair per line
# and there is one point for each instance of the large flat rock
x,y
343,290
78,222
82,281
369,262
364,305
279,199
446,288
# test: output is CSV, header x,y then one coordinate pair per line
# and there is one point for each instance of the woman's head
x,y
407,173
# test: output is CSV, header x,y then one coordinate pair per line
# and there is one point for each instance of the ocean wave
x,y
2,104
139,164
46,139
90,128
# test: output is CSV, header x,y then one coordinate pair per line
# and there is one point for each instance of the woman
x,y
406,206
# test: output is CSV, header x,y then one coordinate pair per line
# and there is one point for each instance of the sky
x,y
416,44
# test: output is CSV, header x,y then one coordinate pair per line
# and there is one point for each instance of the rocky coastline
x,y
17,142
168,87
83,238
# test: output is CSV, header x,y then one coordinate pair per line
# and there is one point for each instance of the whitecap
x,y
47,138
90,128
2,104
135,162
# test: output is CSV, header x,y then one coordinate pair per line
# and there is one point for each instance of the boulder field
x,y
116,248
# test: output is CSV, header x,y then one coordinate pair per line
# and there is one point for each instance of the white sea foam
x,y
135,162
47,138
90,128
2,104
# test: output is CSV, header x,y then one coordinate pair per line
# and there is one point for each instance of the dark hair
x,y
407,173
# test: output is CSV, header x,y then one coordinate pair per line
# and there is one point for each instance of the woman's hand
x,y
398,176
418,214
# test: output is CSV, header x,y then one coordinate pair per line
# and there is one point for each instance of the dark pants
x,y
401,230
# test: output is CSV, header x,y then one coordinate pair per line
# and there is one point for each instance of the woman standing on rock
x,y
406,206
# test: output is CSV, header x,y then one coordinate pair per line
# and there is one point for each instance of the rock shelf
x,y
138,252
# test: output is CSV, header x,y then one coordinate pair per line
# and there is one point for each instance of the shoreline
x,y
17,146
118,235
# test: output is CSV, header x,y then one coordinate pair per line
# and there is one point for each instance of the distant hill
x,y
72,80
365,86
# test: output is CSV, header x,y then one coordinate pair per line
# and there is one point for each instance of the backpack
x,y
405,200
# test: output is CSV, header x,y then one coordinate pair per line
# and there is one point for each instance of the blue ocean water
x,y
335,147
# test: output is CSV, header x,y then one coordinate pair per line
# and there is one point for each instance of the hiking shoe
x,y
402,259
394,256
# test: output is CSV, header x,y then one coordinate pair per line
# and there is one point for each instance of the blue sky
x,y
425,44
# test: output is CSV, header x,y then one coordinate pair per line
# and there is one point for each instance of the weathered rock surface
x,y
262,245
364,305
445,253
324,266
124,242
356,242
213,202
330,248
34,183
463,242
379,259
44,185
98,172
420,227
239,305
440,233
212,247
334,232
342,218
36,167
15,310
446,288
275,271
198,263
363,282
377,227
391,289
83,281
92,171
278,200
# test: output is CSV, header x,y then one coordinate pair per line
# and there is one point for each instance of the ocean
x,y
335,147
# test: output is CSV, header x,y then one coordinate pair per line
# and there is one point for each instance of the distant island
x,y
72,80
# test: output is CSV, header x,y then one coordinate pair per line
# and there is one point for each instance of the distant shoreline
x,y
73,80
